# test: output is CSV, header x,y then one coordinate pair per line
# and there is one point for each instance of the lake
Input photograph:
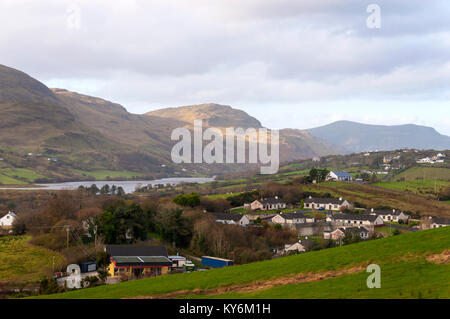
x,y
128,186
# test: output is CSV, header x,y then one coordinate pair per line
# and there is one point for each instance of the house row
x,y
390,215
327,203
366,220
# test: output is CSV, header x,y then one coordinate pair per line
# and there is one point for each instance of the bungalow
x,y
7,221
390,215
266,204
292,218
339,176
439,222
368,221
343,232
326,203
231,219
138,260
300,246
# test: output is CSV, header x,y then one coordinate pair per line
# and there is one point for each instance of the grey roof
x,y
271,200
324,201
292,215
227,216
354,230
133,251
361,217
441,221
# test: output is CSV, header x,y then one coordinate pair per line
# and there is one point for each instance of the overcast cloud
x,y
289,63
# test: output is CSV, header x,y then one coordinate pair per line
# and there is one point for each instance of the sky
x,y
289,63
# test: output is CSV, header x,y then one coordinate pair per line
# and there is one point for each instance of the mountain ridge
x,y
359,137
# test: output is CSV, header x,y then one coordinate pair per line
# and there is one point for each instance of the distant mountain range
x,y
89,133
352,137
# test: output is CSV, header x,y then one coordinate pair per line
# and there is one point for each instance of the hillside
x,y
330,273
357,137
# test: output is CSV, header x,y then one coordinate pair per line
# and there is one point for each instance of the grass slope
x,y
403,248
23,262
414,173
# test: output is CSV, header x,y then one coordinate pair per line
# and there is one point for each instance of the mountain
x,y
294,144
352,137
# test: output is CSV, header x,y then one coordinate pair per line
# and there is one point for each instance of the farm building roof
x,y
125,250
142,261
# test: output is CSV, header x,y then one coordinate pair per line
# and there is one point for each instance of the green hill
x,y
413,265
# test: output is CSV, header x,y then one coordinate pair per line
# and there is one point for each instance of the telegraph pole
x,y
67,230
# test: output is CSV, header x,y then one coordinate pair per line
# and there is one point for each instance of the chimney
x,y
372,210
340,198
276,197
310,197
393,210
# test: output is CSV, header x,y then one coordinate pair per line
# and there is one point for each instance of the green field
x,y
105,174
18,176
419,187
23,262
403,259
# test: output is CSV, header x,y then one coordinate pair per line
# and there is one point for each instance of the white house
x,y
231,219
390,215
339,176
343,232
300,246
326,203
7,220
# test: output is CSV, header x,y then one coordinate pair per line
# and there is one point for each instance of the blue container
x,y
216,262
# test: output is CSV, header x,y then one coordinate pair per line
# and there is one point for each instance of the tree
x,y
190,200
120,191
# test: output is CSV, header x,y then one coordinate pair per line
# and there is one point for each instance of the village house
x,y
300,246
7,221
339,176
266,204
327,203
390,215
439,222
366,220
343,232
292,218
231,219
138,261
